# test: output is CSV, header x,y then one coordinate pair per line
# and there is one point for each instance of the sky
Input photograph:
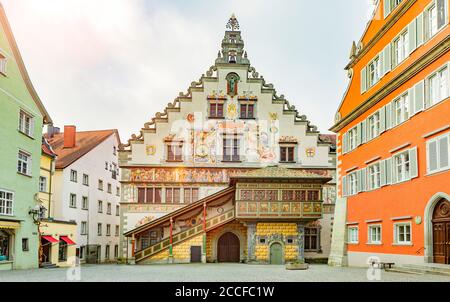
x,y
112,64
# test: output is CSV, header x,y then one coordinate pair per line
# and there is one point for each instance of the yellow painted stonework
x,y
182,251
271,228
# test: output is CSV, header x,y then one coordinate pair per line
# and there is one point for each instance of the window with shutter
x,y
412,37
364,80
413,168
419,95
438,153
344,186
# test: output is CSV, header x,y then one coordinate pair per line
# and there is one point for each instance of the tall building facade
x,y
86,189
22,116
393,139
229,122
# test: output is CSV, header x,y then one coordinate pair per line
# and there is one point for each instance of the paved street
x,y
210,272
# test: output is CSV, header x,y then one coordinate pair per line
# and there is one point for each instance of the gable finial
x,y
233,23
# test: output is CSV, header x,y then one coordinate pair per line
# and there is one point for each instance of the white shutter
x,y
419,95
358,134
382,173
420,30
444,152
364,80
432,156
29,165
412,36
344,186
364,180
345,143
386,59
359,181
382,113
388,116
32,122
389,178
442,13
411,102
413,166
387,8
364,137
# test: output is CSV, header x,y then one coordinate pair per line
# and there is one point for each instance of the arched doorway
x,y
441,232
276,253
228,248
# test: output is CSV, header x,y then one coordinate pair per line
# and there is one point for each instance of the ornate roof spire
x,y
233,23
232,45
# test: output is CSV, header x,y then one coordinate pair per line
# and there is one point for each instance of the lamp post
x,y
37,213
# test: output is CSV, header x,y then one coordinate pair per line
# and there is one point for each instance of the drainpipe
x,y
204,234
171,241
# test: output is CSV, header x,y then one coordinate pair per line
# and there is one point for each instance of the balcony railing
x,y
279,209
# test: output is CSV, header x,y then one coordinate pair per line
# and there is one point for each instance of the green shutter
x,y
413,168
382,112
419,94
420,30
411,102
358,134
344,186
387,8
388,163
383,173
364,136
386,59
364,80
388,116
345,143
412,36
364,180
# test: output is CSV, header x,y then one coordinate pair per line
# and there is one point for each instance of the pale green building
x,y
22,117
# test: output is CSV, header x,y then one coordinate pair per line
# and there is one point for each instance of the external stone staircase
x,y
185,235
421,269
48,265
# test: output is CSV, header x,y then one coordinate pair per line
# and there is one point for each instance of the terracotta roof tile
x,y
85,142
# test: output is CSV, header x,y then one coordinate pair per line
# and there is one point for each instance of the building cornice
x,y
432,55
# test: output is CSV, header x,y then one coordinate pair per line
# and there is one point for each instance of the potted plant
x,y
297,265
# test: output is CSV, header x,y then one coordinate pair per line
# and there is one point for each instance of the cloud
x,y
114,63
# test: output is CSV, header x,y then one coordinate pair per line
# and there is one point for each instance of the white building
x,y
87,190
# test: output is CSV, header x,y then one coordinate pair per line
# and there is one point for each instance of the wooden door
x,y
46,250
228,248
196,254
276,253
441,232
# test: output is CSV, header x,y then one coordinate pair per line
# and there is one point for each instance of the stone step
x,y
48,265
445,268
405,271
431,268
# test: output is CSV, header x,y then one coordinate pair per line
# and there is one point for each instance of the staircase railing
x,y
184,235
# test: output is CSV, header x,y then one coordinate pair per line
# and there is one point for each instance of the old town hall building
x,y
228,172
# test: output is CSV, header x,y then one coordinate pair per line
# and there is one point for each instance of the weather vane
x,y
233,23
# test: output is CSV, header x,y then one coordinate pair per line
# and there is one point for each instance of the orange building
x,y
393,128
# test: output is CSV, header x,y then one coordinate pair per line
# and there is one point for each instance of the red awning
x,y
67,240
50,239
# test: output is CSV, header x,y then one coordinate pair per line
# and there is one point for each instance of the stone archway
x,y
228,248
428,224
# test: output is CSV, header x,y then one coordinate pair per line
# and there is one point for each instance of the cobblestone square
x,y
210,273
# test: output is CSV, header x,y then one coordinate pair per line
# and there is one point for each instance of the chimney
x,y
70,133
51,131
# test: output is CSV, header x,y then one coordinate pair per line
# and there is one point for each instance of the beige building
x,y
56,247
